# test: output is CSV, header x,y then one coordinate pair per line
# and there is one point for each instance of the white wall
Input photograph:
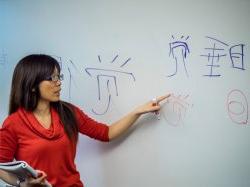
x,y
203,136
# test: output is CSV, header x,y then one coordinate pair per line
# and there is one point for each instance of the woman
x,y
43,130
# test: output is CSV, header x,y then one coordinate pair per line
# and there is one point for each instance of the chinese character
x,y
179,50
106,80
3,57
67,66
219,50
237,107
175,110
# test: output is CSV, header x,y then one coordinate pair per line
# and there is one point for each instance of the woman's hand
x,y
151,106
35,182
124,123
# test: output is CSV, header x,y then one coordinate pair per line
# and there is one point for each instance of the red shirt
x,y
22,137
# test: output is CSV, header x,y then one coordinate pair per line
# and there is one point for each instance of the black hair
x,y
28,73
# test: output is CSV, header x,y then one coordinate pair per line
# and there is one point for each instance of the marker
x,y
157,113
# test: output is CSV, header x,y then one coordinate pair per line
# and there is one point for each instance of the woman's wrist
x,y
136,112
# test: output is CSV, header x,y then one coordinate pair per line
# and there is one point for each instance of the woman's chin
x,y
55,99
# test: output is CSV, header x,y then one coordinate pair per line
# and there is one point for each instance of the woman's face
x,y
50,88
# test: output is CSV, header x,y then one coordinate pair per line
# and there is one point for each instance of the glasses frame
x,y
55,78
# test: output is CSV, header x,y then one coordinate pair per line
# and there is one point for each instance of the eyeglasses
x,y
55,78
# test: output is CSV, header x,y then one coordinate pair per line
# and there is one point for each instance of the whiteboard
x,y
116,55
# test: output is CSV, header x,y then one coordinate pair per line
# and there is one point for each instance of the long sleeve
x,y
8,141
90,127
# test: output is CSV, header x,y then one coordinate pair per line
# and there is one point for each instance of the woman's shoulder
x,y
77,110
11,119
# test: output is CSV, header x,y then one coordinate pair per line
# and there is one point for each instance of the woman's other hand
x,y
40,181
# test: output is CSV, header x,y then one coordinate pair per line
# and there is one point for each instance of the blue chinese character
x,y
3,57
220,50
106,78
179,50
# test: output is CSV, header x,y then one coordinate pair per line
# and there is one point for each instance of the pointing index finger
x,y
161,98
